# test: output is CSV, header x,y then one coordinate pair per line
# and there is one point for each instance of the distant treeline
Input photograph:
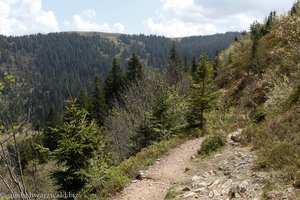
x,y
55,66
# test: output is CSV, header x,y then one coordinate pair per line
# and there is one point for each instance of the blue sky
x,y
171,18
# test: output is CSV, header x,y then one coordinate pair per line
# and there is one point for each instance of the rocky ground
x,y
226,175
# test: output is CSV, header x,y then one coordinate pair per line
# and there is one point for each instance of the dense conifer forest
x,y
59,65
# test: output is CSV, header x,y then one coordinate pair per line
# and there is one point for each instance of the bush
x,y
259,116
172,193
212,144
196,132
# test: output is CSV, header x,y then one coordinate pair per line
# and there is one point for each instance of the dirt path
x,y
227,175
168,169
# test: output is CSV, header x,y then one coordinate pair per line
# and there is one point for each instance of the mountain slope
x,y
260,75
58,65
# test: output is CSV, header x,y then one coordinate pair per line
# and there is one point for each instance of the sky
x,y
171,18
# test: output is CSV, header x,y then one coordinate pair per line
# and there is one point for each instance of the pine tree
x,y
134,70
80,142
113,82
98,108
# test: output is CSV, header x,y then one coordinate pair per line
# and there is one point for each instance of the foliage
x,y
174,67
172,193
51,137
134,70
150,105
259,115
126,116
80,142
294,96
114,82
269,23
36,174
203,95
277,141
166,119
296,8
99,109
62,64
212,143
28,150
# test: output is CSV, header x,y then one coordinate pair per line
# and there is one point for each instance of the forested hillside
x,y
130,99
58,65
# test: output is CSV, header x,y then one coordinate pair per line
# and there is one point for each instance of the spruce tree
x,y
203,95
98,108
51,137
134,70
194,67
113,82
84,101
216,65
80,142
186,66
174,69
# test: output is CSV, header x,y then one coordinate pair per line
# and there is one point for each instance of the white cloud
x,y
177,18
178,28
84,22
20,17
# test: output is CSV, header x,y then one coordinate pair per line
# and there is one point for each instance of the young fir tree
x,y
134,70
81,141
203,95
113,82
99,108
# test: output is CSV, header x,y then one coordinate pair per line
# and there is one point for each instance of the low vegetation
x,y
212,144
261,73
